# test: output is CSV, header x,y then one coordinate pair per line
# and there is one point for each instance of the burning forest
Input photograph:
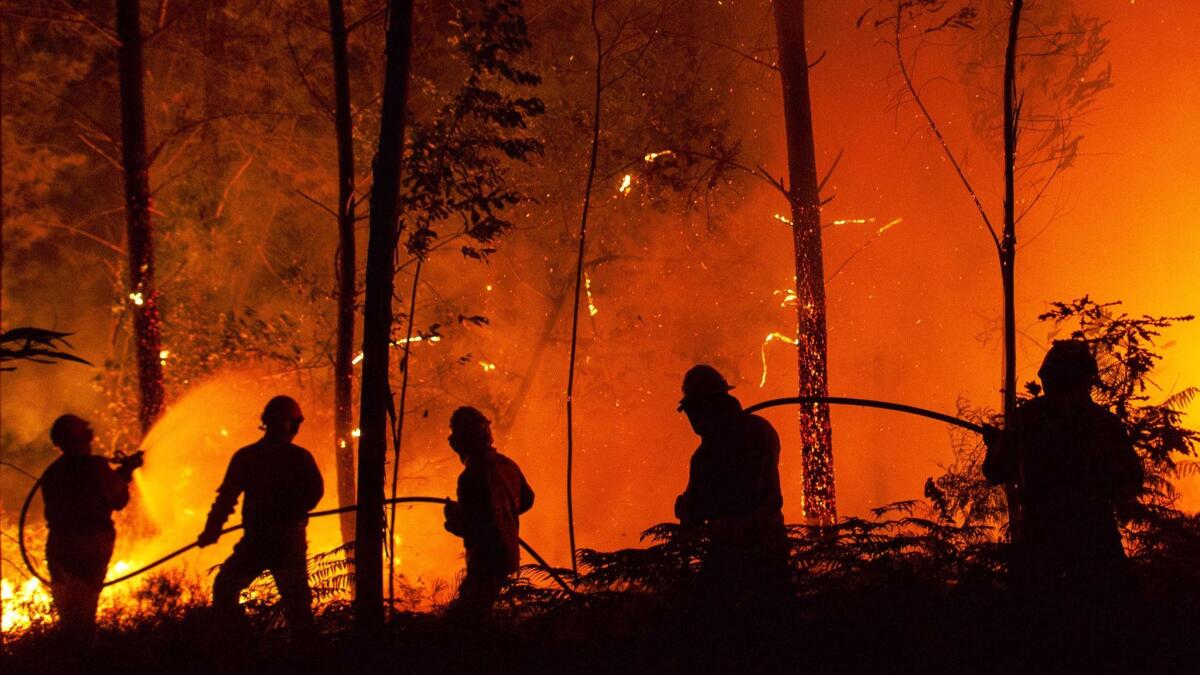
x,y
498,335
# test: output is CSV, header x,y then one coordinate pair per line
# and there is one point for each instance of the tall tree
x,y
803,192
343,359
143,296
377,319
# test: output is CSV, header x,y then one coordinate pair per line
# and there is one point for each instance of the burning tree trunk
x,y
803,193
377,320
343,366
143,296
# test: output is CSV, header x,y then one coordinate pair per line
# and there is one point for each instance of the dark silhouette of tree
x,y
1037,144
377,320
143,295
343,359
803,193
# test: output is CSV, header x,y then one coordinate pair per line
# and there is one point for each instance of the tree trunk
x,y
143,297
343,360
819,502
377,321
1008,242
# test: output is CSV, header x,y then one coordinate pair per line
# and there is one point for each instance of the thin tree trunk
x,y
587,202
143,297
343,360
398,434
1008,242
819,501
377,321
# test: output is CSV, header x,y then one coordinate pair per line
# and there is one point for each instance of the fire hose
x,y
313,514
800,400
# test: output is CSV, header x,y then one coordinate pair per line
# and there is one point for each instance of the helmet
x,y
1069,362
703,380
471,425
280,411
65,429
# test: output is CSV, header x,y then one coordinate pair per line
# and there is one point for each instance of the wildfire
x,y
23,604
771,337
358,358
587,287
626,185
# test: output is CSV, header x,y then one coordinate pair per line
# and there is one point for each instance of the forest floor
x,y
895,628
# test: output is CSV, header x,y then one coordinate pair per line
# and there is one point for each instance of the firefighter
x,y
733,493
1072,463
492,494
282,484
80,491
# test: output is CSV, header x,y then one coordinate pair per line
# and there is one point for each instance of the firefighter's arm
x,y
227,496
526,496
315,487
1126,467
116,489
999,466
459,514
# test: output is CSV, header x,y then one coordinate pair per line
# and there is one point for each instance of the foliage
x,y
36,345
456,164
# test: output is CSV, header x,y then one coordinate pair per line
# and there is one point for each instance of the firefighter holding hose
x,y
80,491
492,495
282,484
733,494
1073,464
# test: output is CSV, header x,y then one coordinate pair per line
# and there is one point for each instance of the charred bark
x,y
143,296
377,321
343,359
819,501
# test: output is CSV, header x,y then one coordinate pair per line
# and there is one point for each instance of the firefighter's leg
x,y
236,573
477,594
77,568
291,578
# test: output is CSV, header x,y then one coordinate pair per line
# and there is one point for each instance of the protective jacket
x,y
1072,463
492,494
80,493
734,474
281,483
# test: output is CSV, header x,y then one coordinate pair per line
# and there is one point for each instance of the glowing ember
x,y
356,433
137,298
587,287
782,218
772,337
626,185
487,366
651,156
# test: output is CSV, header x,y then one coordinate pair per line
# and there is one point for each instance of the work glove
x,y
127,463
454,518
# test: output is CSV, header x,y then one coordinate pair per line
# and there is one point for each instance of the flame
x,y
651,156
626,185
587,287
771,337
487,366
137,298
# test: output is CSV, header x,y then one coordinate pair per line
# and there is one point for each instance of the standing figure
x,y
1072,463
81,491
282,484
733,492
492,494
